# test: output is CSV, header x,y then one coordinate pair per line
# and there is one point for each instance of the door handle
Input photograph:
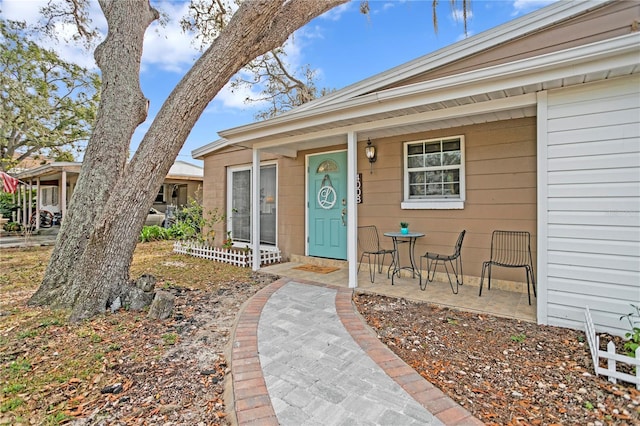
x,y
343,216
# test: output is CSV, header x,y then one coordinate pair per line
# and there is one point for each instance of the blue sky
x,y
343,45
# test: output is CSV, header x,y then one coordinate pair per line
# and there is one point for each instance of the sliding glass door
x,y
239,204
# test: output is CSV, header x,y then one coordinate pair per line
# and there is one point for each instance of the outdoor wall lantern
x,y
370,151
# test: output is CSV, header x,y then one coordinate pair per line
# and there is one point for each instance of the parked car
x,y
154,218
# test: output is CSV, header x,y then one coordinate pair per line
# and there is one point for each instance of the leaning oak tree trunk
x,y
89,267
121,110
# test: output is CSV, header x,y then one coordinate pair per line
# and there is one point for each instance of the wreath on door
x,y
327,195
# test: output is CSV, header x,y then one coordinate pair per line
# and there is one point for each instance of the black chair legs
x,y
433,259
431,273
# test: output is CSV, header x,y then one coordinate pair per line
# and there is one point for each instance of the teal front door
x,y
327,194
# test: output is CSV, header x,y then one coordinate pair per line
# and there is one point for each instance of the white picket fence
x,y
610,355
238,257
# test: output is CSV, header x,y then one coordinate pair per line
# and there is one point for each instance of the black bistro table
x,y
400,238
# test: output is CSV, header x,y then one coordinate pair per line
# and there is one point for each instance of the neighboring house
x,y
56,181
533,125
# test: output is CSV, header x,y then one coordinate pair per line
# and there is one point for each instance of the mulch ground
x,y
505,372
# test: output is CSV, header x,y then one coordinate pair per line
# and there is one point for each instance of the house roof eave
x,y
529,73
201,152
50,168
514,29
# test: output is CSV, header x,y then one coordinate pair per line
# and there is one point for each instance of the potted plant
x,y
404,227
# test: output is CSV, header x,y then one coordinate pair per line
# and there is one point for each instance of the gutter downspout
x,y
352,209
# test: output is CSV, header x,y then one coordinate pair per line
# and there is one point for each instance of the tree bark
x,y
122,108
91,260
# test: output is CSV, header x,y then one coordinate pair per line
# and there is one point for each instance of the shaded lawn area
x,y
52,371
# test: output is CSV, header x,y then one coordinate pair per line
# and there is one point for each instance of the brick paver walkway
x,y
302,355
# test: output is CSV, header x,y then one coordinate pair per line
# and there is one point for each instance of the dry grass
x,y
52,371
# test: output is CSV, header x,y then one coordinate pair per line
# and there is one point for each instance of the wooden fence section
x,y
238,257
610,355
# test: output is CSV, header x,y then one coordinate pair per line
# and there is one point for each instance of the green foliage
x,y
228,242
634,335
47,322
64,156
57,419
27,333
404,224
114,347
170,338
190,224
6,204
13,388
181,231
194,216
19,366
153,233
45,102
12,227
11,404
519,338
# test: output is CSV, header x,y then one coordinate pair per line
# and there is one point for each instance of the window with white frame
x,y
49,196
239,204
434,175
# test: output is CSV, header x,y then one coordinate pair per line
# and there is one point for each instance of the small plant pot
x,y
404,230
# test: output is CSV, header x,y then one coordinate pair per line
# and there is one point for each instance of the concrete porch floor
x,y
508,304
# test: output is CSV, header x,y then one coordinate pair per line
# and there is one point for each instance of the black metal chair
x,y
369,243
510,249
433,259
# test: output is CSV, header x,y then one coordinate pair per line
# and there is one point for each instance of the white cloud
x,y
336,13
236,99
524,6
20,10
464,36
458,15
167,46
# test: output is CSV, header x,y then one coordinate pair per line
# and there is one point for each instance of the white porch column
x,y
30,205
63,194
17,216
38,200
352,209
23,212
255,210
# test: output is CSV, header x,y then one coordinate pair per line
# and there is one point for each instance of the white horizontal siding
x,y
626,189
619,205
593,120
591,134
572,315
602,275
589,288
589,176
618,145
610,267
594,232
612,160
605,217
618,249
592,168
